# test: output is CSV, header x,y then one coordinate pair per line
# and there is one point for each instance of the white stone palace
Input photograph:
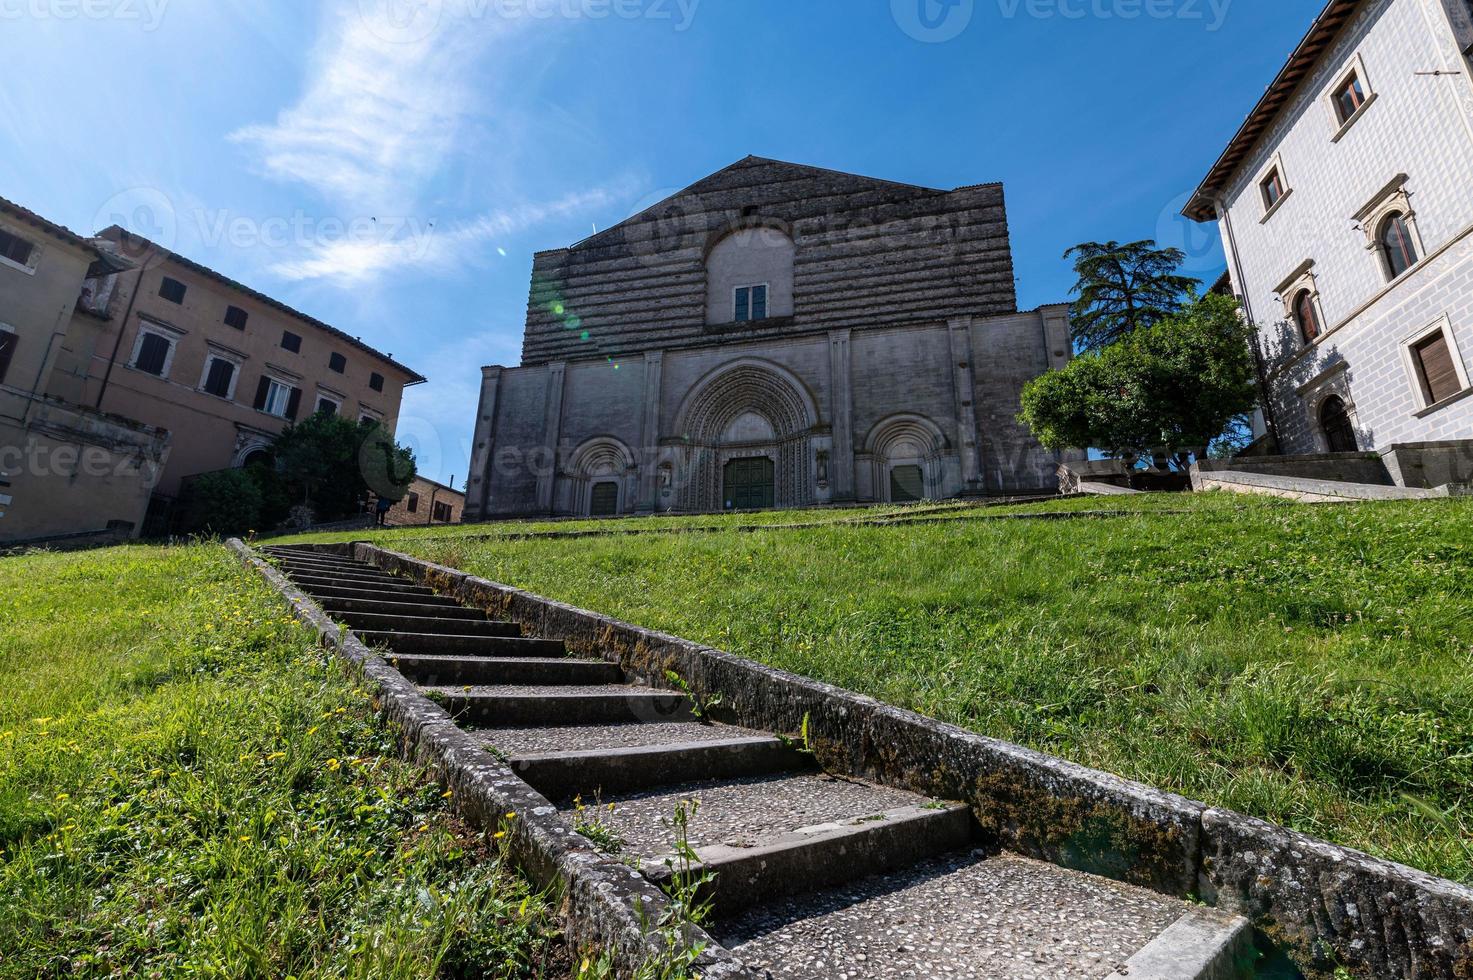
x,y
774,335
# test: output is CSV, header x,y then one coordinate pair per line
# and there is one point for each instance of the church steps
x,y
795,851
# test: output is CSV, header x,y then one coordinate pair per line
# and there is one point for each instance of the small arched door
x,y
1335,421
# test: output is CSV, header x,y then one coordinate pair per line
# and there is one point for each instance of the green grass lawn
x,y
1309,665
188,787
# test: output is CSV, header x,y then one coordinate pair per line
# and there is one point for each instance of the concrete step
x,y
594,772
746,812
436,606
432,623
446,645
450,671
348,578
391,593
529,705
824,855
321,561
971,914
304,568
583,738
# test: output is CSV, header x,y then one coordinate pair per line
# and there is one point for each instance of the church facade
x,y
774,335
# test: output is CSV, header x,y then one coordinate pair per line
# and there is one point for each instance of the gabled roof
x,y
719,178
1322,33
104,261
137,244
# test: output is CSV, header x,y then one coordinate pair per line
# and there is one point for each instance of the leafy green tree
x,y
220,504
1169,389
331,464
1123,288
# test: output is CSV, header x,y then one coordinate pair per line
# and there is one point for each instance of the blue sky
x,y
262,137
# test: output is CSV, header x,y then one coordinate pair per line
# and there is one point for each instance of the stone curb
x,y
604,896
1329,906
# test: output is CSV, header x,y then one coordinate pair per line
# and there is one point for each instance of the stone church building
x,y
774,335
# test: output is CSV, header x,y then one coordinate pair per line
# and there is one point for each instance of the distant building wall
x,y
426,503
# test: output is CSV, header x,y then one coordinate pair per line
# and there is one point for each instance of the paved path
x,y
816,875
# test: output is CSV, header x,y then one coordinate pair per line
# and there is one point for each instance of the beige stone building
x,y
427,503
223,367
68,473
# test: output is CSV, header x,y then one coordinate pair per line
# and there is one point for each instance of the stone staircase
x,y
816,875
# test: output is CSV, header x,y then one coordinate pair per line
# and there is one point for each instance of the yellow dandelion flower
x,y
334,764
511,816
61,797
447,794
499,834
275,755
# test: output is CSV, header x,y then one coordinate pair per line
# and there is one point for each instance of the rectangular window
x,y
236,317
751,303
219,377
1273,188
414,503
1435,368
15,249
337,362
172,290
1349,97
326,406
278,398
152,355
291,342
8,341
376,381
442,512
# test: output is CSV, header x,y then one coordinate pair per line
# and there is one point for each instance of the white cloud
x,y
412,246
379,112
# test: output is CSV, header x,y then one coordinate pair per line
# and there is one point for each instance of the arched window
x,y
1305,316
1335,421
1396,245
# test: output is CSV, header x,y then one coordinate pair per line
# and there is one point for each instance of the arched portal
x,y
604,476
748,411
907,453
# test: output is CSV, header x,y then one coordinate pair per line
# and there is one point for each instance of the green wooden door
x,y
907,483
605,502
749,484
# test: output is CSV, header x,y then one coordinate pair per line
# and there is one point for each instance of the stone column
x,y
552,429
963,381
483,446
841,407
649,434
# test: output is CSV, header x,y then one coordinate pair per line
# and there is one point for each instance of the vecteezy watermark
x,y
413,21
933,21
1211,12
145,211
149,213
148,13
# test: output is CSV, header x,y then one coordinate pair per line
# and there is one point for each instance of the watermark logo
x,y
933,21
148,14
1198,241
401,21
145,211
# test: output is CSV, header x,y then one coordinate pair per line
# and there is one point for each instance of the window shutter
x,y
8,341
1439,376
262,390
293,403
152,354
